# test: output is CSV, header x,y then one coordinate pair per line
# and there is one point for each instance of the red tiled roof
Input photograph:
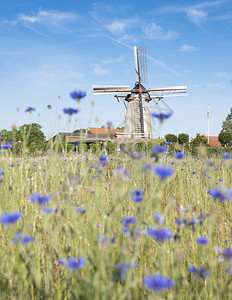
x,y
95,130
213,141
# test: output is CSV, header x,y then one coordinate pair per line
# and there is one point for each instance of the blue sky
x,y
51,48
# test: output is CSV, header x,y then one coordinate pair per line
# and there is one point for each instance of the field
x,y
120,226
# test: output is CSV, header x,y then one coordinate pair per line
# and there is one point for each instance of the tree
x,y
199,140
227,124
171,138
8,135
225,138
32,135
183,138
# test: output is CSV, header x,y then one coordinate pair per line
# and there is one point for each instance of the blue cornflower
x,y
49,210
70,111
159,218
123,267
160,235
30,109
179,155
179,222
78,95
137,195
194,173
73,263
221,194
5,147
203,240
168,143
163,171
103,161
1,180
76,144
226,156
161,116
37,198
81,209
10,217
227,253
2,172
158,282
128,221
160,149
201,272
23,238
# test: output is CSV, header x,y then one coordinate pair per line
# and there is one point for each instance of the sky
x,y
49,48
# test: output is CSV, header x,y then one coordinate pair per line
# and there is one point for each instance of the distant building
x,y
213,141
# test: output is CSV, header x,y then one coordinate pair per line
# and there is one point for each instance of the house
x,y
213,141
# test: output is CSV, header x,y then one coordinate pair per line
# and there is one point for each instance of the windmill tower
x,y
136,100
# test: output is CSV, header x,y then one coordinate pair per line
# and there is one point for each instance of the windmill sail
x,y
138,116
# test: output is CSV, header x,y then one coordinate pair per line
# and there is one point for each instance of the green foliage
x,y
183,138
111,147
199,140
140,147
227,124
150,145
171,138
225,138
82,131
31,135
82,147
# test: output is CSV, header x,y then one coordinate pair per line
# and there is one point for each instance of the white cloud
x,y
98,70
49,16
186,48
113,60
154,32
196,16
116,27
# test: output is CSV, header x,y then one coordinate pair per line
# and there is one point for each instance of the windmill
x,y
136,100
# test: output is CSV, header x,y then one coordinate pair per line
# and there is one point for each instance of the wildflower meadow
x,y
122,225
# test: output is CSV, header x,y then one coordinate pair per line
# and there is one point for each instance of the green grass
x,y
31,271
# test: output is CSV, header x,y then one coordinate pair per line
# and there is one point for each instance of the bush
x,y
112,147
225,138
183,138
150,145
92,148
171,138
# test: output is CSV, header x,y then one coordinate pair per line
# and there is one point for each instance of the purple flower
x,y
161,234
158,282
123,267
23,238
10,217
147,168
30,109
81,209
160,149
49,210
103,161
137,195
73,263
161,116
159,218
163,171
5,147
168,143
226,156
128,221
78,95
70,111
179,155
37,198
221,194
201,272
203,240
2,172
227,253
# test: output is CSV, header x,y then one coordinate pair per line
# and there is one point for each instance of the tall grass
x,y
96,234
